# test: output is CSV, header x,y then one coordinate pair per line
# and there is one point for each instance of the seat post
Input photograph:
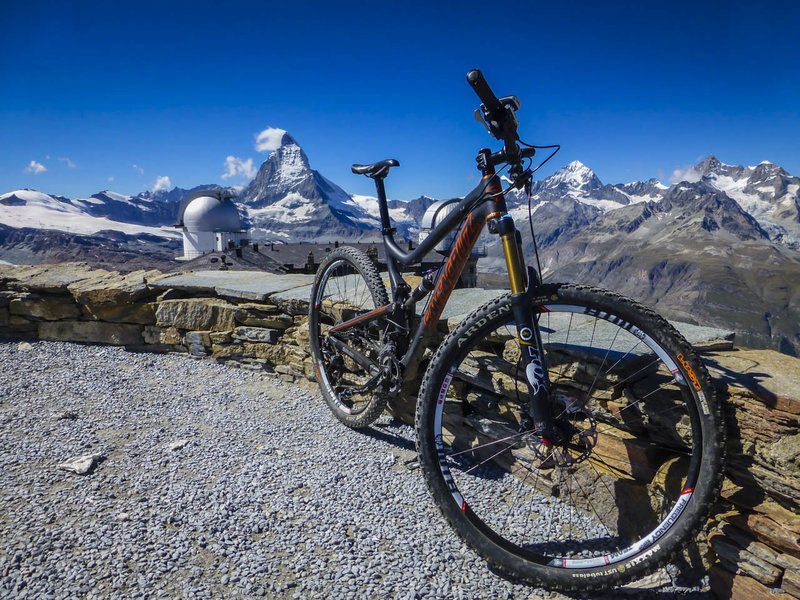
x,y
383,206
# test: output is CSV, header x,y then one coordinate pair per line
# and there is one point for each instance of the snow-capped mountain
x,y
765,191
720,248
290,200
102,212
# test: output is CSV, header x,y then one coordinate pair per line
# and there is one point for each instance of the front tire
x,y
637,474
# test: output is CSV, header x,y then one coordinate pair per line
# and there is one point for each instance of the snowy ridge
x,y
37,210
765,191
287,200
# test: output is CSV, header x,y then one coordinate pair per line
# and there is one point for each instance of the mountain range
x,y
720,248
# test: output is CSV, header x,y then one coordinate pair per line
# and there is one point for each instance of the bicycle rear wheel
x,y
347,284
639,469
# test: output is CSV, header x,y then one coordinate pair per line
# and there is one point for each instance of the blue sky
x,y
121,95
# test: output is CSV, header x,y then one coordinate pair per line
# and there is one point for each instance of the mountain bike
x,y
569,435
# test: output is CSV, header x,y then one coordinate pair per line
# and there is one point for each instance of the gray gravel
x,y
214,482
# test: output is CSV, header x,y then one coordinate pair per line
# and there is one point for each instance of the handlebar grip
x,y
484,92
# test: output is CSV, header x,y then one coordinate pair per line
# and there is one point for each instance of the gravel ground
x,y
215,482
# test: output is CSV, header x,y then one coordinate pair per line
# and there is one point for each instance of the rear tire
x,y
641,467
346,285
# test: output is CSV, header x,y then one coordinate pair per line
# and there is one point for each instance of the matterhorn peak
x,y
710,165
274,138
288,140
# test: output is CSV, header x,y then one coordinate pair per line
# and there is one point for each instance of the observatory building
x,y
210,222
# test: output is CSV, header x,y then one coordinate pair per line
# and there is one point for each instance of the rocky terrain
x,y
212,482
257,322
105,249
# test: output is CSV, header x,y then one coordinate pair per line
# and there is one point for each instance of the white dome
x,y
207,213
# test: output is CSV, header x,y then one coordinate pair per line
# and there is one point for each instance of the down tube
x,y
467,237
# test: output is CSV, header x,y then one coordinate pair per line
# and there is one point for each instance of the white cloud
x,y
162,183
35,168
688,174
70,164
236,166
138,168
269,139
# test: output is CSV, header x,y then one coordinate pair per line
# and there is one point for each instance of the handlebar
x,y
499,117
484,92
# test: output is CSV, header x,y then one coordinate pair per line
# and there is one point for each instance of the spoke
x,y
600,368
591,505
483,462
663,411
566,345
520,487
487,444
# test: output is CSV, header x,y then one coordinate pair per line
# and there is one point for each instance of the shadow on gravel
x,y
380,431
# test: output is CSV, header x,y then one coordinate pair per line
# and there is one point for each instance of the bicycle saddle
x,y
378,170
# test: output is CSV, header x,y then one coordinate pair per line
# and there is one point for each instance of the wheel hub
x,y
578,434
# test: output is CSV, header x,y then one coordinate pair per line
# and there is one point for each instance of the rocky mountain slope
x,y
691,251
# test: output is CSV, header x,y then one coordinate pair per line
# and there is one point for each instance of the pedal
x,y
412,464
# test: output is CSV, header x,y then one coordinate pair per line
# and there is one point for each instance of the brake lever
x,y
523,180
479,118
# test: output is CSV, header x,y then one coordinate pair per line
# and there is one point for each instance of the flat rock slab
x,y
81,465
770,375
246,285
48,278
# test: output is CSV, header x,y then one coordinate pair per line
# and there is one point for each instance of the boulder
x,y
198,342
770,377
49,308
162,335
206,314
257,315
113,288
119,334
731,586
81,465
257,334
51,279
140,313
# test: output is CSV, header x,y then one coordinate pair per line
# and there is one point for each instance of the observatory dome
x,y
208,213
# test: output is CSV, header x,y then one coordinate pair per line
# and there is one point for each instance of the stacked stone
x,y
72,302
756,539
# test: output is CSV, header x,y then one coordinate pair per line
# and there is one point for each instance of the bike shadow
x,y
392,432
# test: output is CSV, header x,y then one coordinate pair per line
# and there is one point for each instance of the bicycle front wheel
x,y
637,472
347,285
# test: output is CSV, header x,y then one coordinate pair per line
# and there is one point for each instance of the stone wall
x,y
752,548
78,304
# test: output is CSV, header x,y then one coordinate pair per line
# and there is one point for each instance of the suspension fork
x,y
530,340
